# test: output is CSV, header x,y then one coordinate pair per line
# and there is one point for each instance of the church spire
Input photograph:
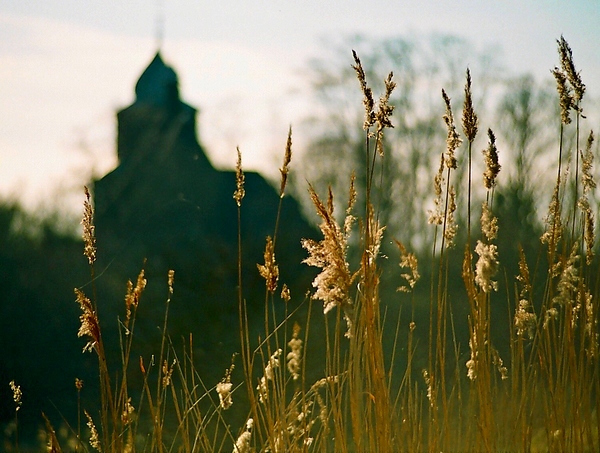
x,y
160,23
158,84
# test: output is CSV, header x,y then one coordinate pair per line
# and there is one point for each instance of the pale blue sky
x,y
67,65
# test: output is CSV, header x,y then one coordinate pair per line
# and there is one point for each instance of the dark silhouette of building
x,y
163,207
165,203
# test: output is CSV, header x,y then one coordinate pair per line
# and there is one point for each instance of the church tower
x,y
158,113
166,207
165,203
157,148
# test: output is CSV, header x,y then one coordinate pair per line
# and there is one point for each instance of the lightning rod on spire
x,y
160,23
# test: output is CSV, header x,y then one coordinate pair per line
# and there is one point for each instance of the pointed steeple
x,y
158,85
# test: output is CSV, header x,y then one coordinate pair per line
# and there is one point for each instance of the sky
x,y
66,67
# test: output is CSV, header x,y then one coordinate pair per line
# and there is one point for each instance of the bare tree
x,y
421,67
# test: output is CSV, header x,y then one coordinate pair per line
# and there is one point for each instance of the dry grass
x,y
544,397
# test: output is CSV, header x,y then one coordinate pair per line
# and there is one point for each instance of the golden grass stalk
x,y
270,270
470,124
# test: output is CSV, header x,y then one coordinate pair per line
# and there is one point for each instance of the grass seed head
x,y
270,270
335,279
171,280
242,444
436,216
239,193
167,373
89,321
268,375
469,119
408,260
285,293
568,281
134,293
492,165
367,93
525,320
294,357
489,222
589,235
453,140
224,387
564,94
553,222
524,276
17,395
568,67
384,112
486,267
94,437
89,238
587,159
287,158
127,415
451,226
472,362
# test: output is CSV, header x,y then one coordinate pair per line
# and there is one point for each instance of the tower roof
x,y
158,84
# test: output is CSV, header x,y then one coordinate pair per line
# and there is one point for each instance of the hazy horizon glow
x,y
67,66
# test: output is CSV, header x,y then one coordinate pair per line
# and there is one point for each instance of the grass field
x,y
327,382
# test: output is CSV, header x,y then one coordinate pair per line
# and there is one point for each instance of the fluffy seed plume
x,y
89,321
224,389
384,111
171,280
568,67
525,319
408,260
52,445
553,222
591,325
17,395
334,281
453,140
589,235
551,315
268,375
294,357
89,238
489,222
524,276
285,293
497,360
436,216
94,437
469,119
566,288
486,267
587,167
132,298
492,166
451,227
367,93
472,362
429,382
564,94
239,180
167,373
270,270
127,415
287,158
242,444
